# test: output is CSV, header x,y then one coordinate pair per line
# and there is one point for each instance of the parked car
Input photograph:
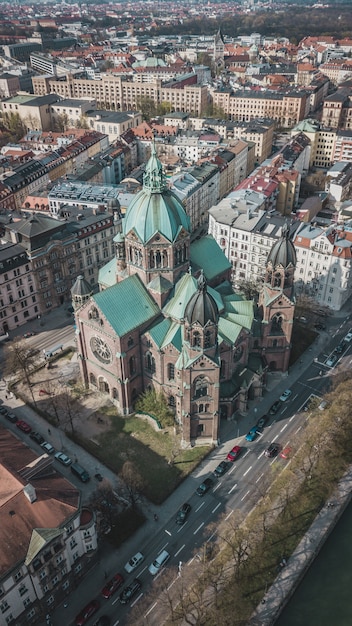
x,y
127,594
348,337
37,437
319,326
285,395
30,333
87,612
340,348
252,434
103,620
112,586
134,562
272,450
234,453
332,360
158,564
22,425
275,407
3,410
63,458
262,422
183,513
221,468
285,453
204,487
47,447
11,417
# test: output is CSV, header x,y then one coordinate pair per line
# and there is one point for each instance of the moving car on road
x,y
204,487
87,612
332,360
134,562
272,450
275,407
234,453
112,586
127,594
285,395
262,422
183,513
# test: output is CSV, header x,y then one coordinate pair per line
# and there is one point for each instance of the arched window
x,y
115,394
158,259
196,339
207,339
132,365
171,371
200,387
92,379
172,401
150,362
93,314
276,323
201,408
130,342
222,369
206,408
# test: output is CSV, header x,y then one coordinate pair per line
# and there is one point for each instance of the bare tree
x,y
19,357
134,483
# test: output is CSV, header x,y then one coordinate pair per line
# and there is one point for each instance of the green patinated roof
x,y
229,330
129,295
160,284
185,288
208,256
159,330
107,274
40,537
155,209
173,336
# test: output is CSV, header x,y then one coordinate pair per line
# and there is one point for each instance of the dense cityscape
x,y
176,192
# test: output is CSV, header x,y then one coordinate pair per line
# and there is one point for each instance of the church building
x,y
166,318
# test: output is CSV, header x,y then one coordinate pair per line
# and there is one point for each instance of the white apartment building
x,y
18,294
324,264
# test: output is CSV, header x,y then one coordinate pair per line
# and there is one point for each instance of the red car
x,y
112,586
234,453
22,425
87,612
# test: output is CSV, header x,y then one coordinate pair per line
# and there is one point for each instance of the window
x,y
18,576
200,387
73,543
26,602
22,590
171,371
4,606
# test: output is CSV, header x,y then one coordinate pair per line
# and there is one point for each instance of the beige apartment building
x,y
286,109
112,92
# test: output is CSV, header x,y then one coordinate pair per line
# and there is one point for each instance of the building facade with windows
x,y
18,292
191,337
47,538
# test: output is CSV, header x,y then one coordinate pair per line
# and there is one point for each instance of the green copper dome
x,y
155,209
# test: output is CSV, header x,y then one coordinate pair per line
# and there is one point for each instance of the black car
x,y
183,513
340,348
221,468
11,417
319,326
104,620
37,437
275,407
127,594
204,487
272,450
262,422
3,410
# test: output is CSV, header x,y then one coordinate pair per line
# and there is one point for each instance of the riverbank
x,y
278,595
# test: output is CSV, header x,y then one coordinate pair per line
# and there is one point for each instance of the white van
x,y
159,562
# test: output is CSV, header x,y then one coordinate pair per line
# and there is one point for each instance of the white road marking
x,y
199,527
259,477
179,550
217,486
227,516
232,488
217,506
274,439
273,461
181,527
150,610
283,428
163,548
232,469
200,506
298,429
172,583
143,570
261,454
245,495
211,536
118,621
248,470
136,600
245,454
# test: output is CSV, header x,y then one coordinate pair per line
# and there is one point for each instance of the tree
x,y
82,122
19,357
147,106
62,122
133,483
249,288
155,403
15,125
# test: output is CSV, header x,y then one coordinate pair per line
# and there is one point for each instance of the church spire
x,y
154,179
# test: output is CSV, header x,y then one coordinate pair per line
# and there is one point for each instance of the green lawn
x,y
132,439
